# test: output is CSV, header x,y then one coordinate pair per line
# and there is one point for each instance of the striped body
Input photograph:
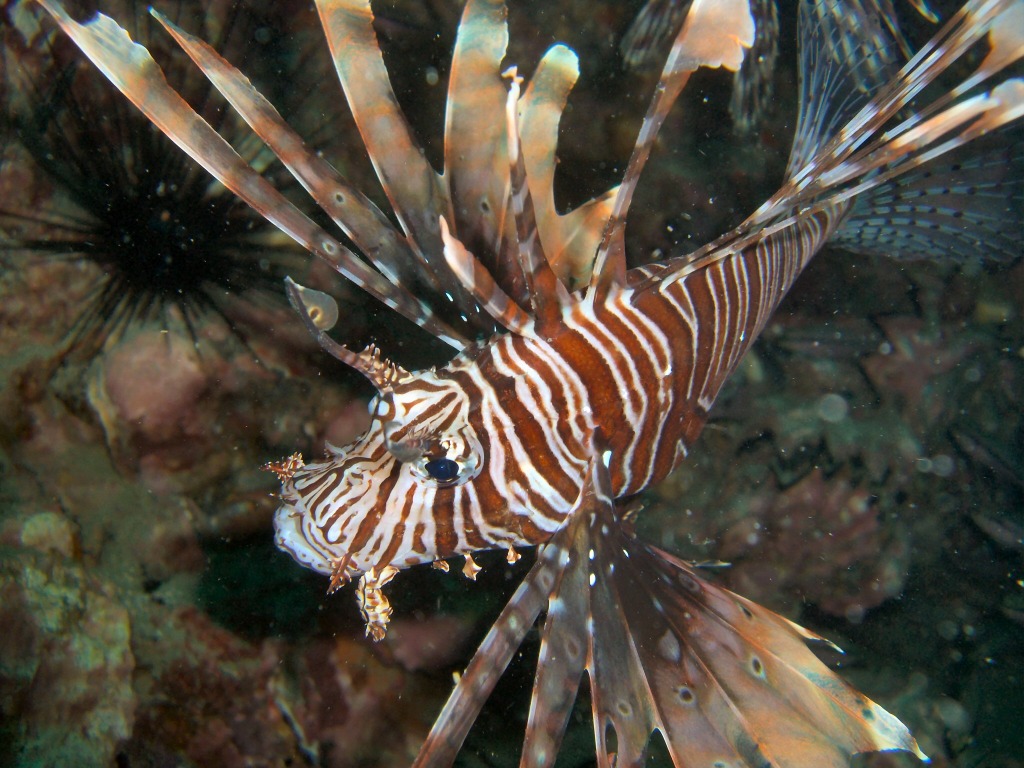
x,y
639,370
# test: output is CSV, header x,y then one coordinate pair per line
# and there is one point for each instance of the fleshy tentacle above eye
x,y
380,372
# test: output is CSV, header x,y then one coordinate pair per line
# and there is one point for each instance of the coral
x,y
912,358
66,660
109,657
821,541
153,397
348,708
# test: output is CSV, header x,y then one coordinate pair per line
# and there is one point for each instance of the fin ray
x,y
569,240
862,156
350,209
966,206
544,290
668,652
133,71
835,80
478,281
413,187
714,34
475,156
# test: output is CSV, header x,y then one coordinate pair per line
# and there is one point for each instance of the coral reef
x,y
66,650
819,541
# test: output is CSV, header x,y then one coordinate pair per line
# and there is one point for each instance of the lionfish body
x,y
603,376
635,374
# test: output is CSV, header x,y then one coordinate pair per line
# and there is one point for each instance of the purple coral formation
x,y
820,541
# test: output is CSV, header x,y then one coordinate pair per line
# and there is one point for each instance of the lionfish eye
x,y
382,408
442,470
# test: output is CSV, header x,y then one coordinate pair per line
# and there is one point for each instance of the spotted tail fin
x,y
970,206
851,145
725,681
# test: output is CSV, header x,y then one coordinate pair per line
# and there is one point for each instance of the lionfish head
x,y
394,496
436,474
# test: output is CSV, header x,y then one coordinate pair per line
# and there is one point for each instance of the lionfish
x,y
577,383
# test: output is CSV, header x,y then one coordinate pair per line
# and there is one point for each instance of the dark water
x,y
863,473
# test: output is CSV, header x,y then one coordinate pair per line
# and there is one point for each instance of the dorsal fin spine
x,y
547,294
715,34
481,284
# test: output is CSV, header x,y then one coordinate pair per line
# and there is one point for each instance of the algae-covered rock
x,y
65,661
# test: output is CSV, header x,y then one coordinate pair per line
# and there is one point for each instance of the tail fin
x,y
725,681
846,55
969,205
966,204
869,150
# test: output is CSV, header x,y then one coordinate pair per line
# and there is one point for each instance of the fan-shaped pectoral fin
x,y
560,579
723,680
586,629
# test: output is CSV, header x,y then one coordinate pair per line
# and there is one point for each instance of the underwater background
x,y
862,474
